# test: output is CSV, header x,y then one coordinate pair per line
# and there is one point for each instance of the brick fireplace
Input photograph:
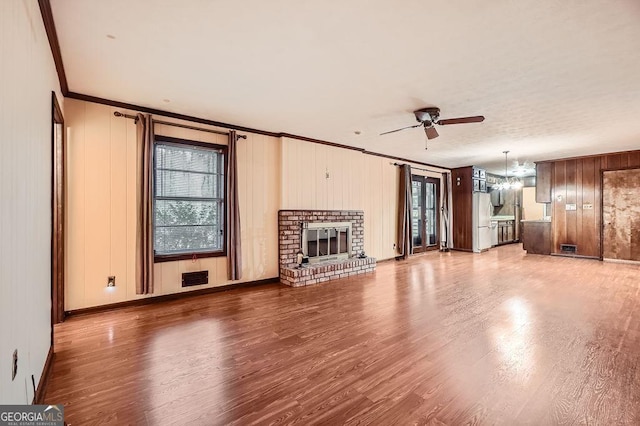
x,y
293,223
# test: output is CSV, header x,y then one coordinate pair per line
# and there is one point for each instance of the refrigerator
x,y
481,221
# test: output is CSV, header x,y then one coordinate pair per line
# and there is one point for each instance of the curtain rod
x,y
184,126
418,168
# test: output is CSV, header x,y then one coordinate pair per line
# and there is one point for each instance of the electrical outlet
x,y
111,281
14,365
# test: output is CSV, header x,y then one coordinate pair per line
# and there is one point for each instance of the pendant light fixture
x,y
507,183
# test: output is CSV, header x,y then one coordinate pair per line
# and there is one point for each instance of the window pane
x,y
185,157
173,212
189,199
176,239
186,184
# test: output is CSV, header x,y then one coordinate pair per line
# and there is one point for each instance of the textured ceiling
x,y
554,78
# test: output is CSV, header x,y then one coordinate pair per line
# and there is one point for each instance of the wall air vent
x,y
195,278
569,248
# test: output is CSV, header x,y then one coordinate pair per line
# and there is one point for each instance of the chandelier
x,y
506,182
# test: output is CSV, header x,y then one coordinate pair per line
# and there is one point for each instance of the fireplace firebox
x,y
325,241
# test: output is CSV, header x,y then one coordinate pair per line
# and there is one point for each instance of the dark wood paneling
x,y
579,180
588,241
634,159
559,205
52,35
579,201
462,207
570,170
543,182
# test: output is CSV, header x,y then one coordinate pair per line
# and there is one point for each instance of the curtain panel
x,y
234,246
444,245
144,201
404,212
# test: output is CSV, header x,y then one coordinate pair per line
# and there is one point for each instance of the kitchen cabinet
x,y
543,182
497,197
536,236
506,231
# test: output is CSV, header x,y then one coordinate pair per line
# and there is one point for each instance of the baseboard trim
x,y
622,261
168,297
576,256
38,398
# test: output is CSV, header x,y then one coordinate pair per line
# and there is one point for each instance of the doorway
x,y
57,213
621,215
425,220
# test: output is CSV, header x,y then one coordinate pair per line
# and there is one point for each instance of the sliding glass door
x,y
425,220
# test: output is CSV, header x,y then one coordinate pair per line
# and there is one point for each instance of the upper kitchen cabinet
x,y
543,182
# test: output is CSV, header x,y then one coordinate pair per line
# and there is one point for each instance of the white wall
x,y
27,77
530,209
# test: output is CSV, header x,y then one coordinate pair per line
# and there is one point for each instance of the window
x,y
189,192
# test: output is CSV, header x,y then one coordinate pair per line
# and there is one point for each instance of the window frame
x,y
159,258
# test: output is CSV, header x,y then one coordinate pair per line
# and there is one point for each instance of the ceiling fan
x,y
427,117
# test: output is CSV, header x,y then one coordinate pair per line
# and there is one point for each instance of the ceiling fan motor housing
x,y
427,115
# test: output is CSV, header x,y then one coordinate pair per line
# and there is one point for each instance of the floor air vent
x,y
195,278
568,248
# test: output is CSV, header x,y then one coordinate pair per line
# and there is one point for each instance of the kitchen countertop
x,y
503,217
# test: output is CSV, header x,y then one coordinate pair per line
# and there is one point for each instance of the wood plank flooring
x,y
443,338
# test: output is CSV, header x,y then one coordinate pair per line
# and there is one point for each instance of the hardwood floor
x,y
443,338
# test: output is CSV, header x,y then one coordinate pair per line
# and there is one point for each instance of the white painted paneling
x,y
102,209
27,77
356,182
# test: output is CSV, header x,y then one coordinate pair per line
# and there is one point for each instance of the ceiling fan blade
x,y
462,120
431,132
404,128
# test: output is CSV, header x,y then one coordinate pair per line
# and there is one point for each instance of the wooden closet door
x,y
621,214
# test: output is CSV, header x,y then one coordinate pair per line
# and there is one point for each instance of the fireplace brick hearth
x,y
290,225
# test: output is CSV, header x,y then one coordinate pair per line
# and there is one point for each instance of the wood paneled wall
x,y
274,173
27,78
462,208
101,216
578,181
323,177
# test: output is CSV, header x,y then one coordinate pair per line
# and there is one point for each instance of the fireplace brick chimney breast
x,y
290,224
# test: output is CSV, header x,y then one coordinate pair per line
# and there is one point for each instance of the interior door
x,y
425,218
621,215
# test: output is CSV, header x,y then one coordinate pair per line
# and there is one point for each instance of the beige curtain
x,y
234,248
144,228
404,212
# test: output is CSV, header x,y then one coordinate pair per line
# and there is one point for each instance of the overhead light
x,y
111,36
508,183
522,169
357,132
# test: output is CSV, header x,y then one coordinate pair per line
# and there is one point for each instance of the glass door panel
x,y
431,213
417,221
425,218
